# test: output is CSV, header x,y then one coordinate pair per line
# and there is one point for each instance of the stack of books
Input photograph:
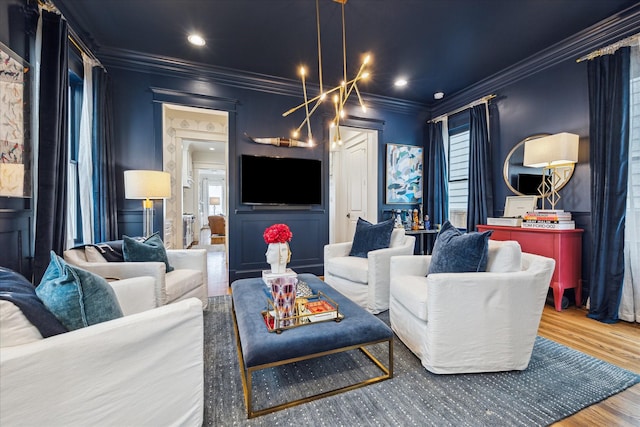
x,y
549,219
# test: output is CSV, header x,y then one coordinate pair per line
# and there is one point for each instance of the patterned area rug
x,y
558,382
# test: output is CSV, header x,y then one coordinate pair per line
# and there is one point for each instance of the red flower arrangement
x,y
277,233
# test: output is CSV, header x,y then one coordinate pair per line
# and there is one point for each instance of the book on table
x,y
321,310
549,225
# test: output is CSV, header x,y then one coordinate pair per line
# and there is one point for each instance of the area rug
x,y
558,382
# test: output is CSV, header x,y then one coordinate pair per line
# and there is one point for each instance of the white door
x,y
354,182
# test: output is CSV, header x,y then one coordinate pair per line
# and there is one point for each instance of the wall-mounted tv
x,y
280,180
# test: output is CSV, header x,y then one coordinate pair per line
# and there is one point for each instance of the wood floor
x,y
618,344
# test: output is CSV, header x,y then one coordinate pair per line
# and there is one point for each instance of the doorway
x,y
353,181
195,153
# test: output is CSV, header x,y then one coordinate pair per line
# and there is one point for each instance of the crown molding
x,y
605,32
144,62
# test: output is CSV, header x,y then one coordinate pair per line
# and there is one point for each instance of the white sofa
x,y
188,279
144,369
365,281
471,322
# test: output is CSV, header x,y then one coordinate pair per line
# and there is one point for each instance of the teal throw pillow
x,y
455,252
76,297
369,237
150,249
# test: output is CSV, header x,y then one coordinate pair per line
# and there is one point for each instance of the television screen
x,y
280,181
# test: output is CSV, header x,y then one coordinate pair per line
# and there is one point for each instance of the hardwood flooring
x,y
618,344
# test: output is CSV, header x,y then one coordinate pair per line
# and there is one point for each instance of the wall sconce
x,y
214,201
147,185
551,153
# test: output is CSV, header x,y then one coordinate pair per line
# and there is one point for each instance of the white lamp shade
x,y
552,150
147,184
214,201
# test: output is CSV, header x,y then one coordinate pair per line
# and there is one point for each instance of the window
x,y
458,167
74,223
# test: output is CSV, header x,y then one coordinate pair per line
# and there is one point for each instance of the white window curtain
x,y
85,161
630,302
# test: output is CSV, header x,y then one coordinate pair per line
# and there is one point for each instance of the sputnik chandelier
x,y
340,93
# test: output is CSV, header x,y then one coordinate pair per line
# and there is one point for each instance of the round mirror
x,y
523,180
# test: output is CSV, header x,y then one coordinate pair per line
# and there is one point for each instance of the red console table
x,y
565,246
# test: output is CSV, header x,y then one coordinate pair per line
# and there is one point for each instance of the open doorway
x,y
353,181
195,147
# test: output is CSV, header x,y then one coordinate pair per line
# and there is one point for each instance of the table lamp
x,y
215,201
147,185
550,153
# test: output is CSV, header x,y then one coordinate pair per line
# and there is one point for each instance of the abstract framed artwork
x,y
404,165
15,150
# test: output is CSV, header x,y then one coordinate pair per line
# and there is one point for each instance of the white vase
x,y
278,255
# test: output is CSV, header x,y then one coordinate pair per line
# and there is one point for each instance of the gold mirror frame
x,y
513,165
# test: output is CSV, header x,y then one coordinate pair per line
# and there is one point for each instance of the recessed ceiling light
x,y
438,95
212,149
196,39
400,83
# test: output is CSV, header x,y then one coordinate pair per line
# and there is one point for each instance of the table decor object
x,y
278,253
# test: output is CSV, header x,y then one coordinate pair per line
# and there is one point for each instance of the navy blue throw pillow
x,y
151,249
370,237
455,252
19,291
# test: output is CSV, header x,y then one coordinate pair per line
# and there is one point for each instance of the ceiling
x,y
437,45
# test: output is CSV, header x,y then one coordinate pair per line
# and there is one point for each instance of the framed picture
x,y
404,174
15,148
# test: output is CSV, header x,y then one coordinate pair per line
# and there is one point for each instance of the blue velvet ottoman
x,y
259,349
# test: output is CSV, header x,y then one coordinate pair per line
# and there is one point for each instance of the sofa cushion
x,y
354,269
504,256
369,237
15,328
93,254
455,252
397,237
150,249
180,282
21,293
75,296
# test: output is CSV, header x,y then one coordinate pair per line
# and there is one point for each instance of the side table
x,y
565,246
421,235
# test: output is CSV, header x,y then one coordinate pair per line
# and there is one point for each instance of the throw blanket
x,y
18,290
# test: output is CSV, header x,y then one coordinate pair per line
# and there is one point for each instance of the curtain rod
x,y
608,50
73,37
484,99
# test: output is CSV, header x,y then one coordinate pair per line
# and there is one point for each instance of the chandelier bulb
x,y
295,133
364,108
366,59
303,71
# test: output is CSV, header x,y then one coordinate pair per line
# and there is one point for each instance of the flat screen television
x,y
280,180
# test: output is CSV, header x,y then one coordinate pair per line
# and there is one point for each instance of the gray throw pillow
x,y
150,249
76,297
369,237
455,252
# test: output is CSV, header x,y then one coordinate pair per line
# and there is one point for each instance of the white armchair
x,y
145,368
471,322
188,279
365,280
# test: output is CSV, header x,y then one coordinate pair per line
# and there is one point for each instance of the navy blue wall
x,y
551,101
138,138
